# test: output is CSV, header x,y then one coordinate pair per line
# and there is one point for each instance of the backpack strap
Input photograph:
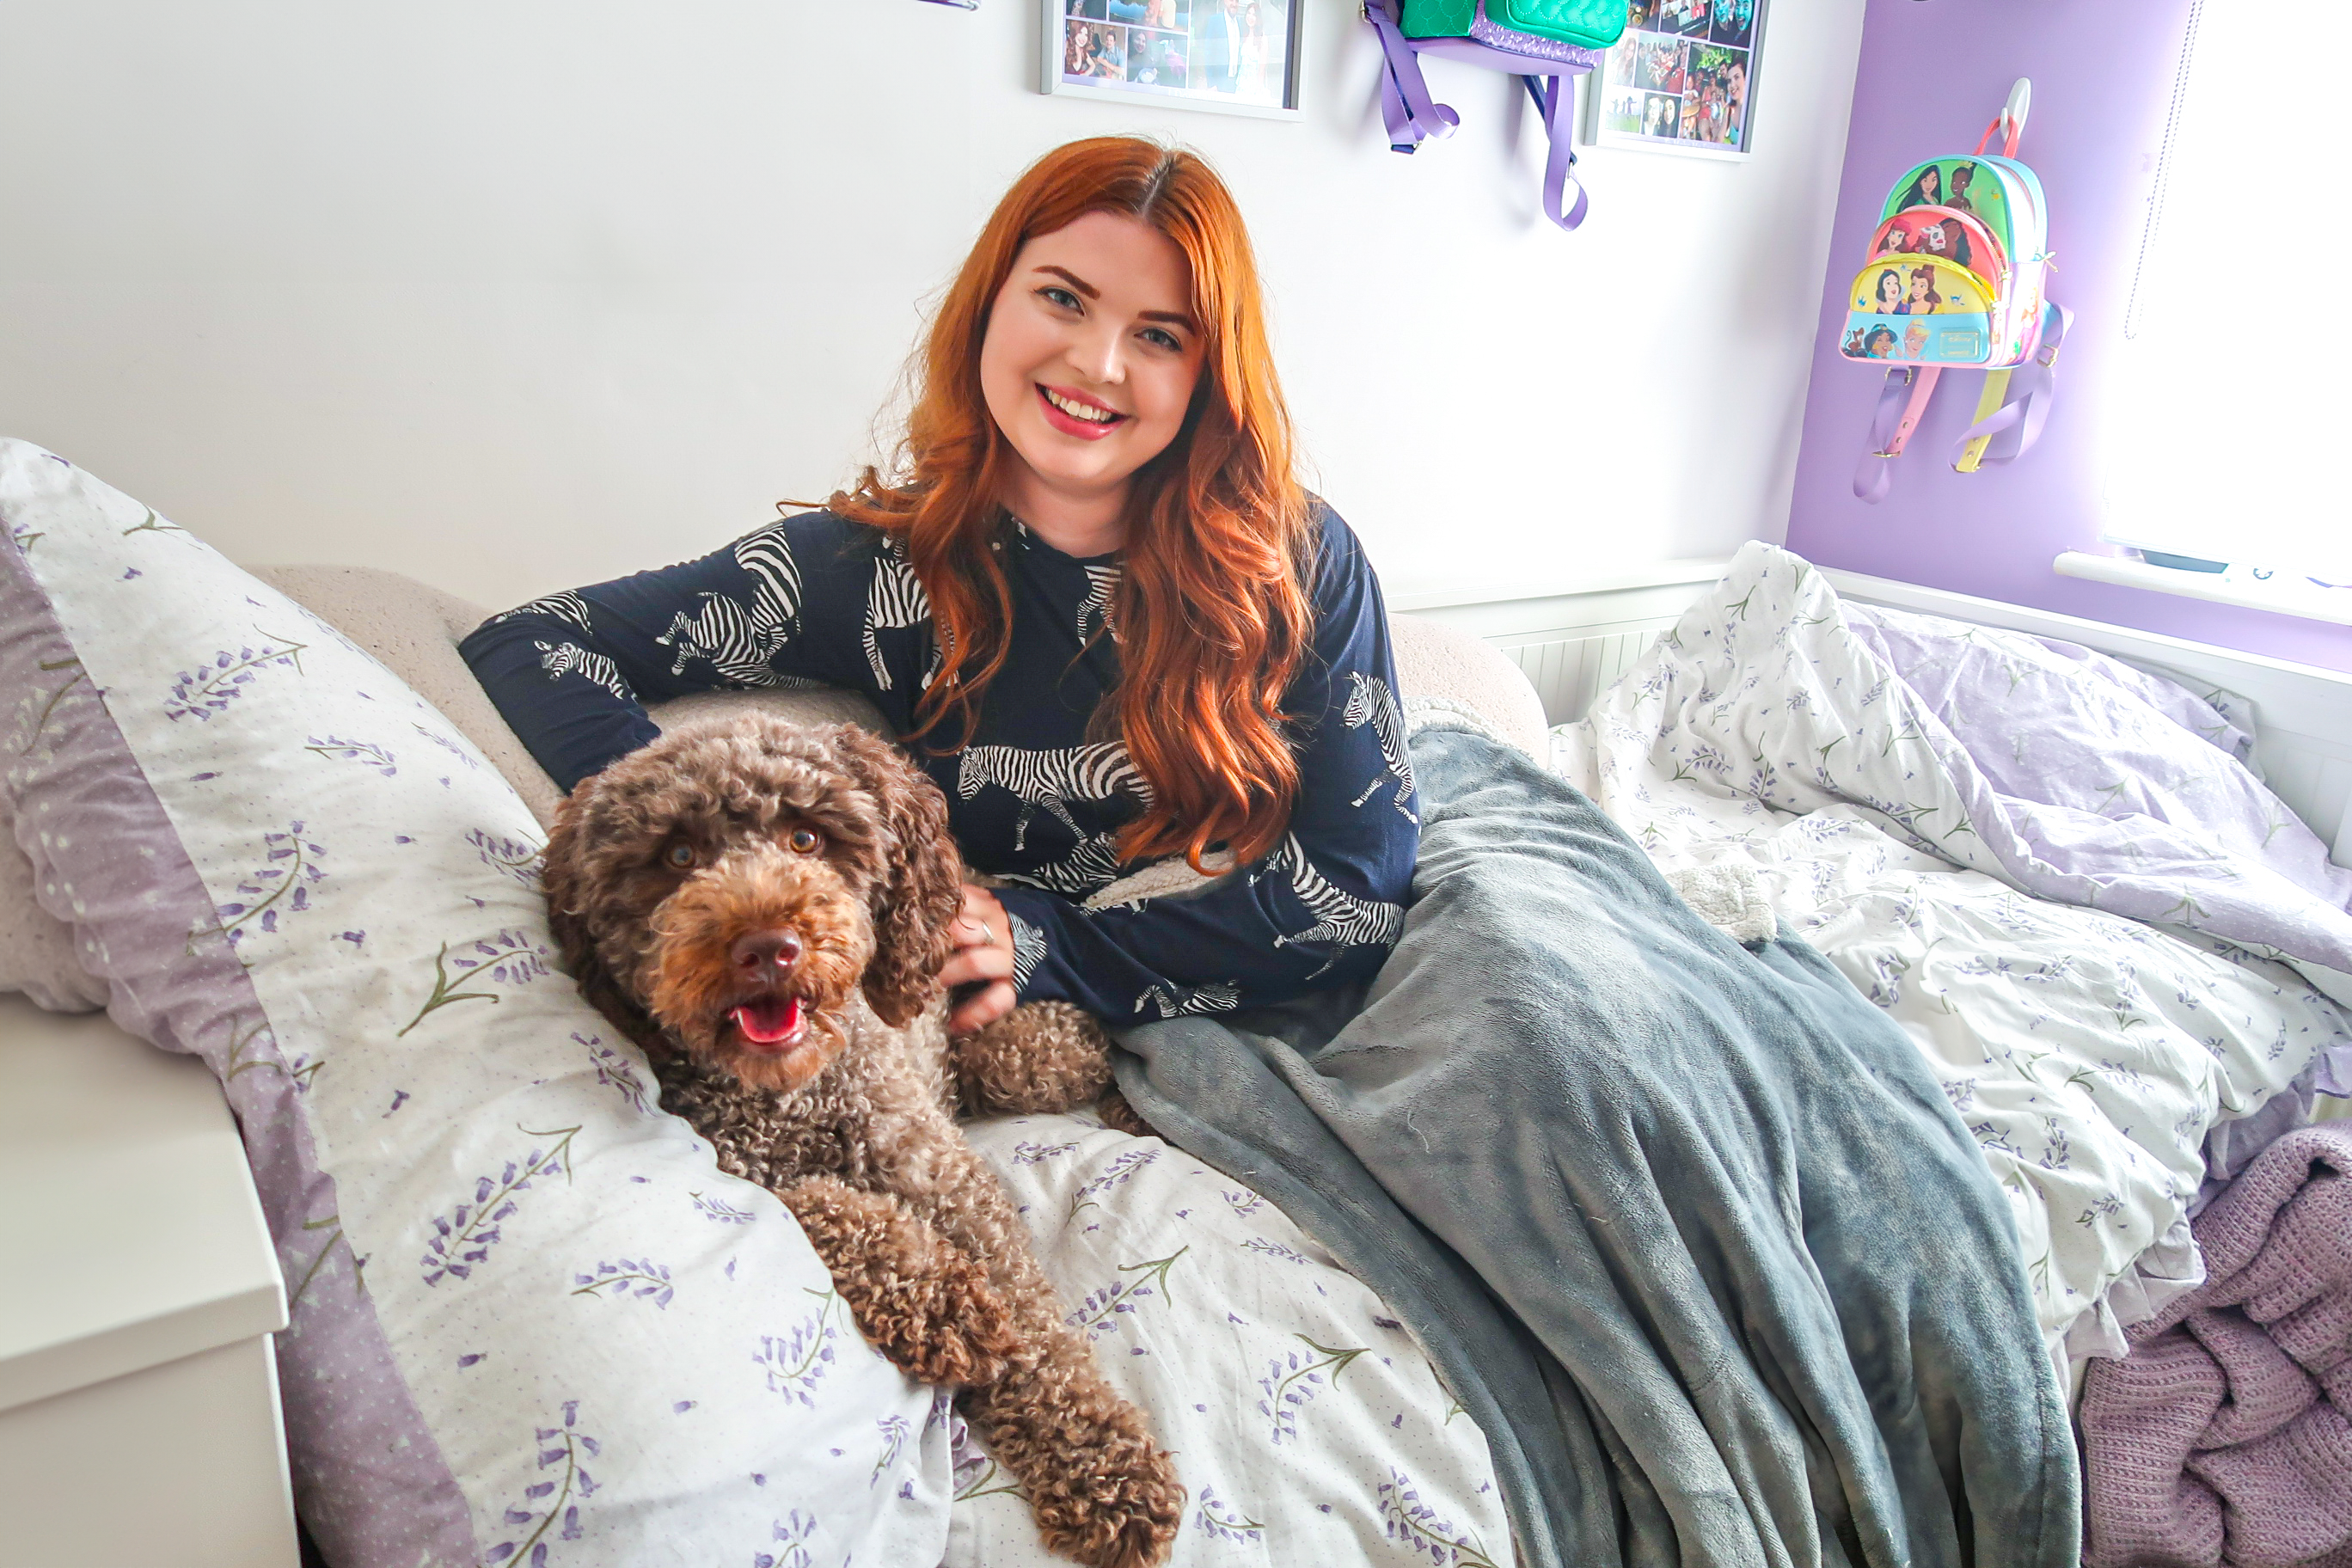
x,y
1901,402
1556,102
1412,116
2029,413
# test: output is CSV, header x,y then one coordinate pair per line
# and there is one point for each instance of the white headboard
x,y
1574,641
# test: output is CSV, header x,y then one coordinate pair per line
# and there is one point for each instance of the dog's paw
x,y
1041,1058
1121,1117
1122,1511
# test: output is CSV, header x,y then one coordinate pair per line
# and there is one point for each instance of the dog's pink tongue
x,y
765,1023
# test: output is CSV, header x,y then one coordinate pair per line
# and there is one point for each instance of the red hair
x,y
1211,611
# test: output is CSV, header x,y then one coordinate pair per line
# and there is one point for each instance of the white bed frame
x,y
1574,641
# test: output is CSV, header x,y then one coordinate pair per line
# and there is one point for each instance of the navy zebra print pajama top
x,y
814,598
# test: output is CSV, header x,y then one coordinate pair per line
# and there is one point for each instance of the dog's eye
x,y
804,841
679,857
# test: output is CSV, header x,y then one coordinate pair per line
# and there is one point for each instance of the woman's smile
x,y
1074,415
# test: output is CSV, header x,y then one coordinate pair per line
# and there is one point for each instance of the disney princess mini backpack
x,y
1954,279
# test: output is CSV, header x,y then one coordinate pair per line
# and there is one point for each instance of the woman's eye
x,y
1166,340
679,857
804,841
1061,297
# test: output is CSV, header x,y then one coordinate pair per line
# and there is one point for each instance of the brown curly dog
x,y
764,908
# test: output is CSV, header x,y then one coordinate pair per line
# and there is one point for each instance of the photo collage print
x,y
1682,72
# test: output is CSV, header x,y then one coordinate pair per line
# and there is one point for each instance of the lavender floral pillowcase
x,y
533,1321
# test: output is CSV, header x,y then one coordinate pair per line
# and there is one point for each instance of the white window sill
x,y
2281,597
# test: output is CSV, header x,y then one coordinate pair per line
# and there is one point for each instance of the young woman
x,y
1092,597
1890,293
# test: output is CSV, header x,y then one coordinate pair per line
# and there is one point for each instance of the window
x,y
2226,423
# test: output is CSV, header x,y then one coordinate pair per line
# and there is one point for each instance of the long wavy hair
x,y
1211,613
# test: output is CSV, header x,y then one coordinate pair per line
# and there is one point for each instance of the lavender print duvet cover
x,y
2051,869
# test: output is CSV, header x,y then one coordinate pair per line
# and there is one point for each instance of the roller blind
x,y
2225,431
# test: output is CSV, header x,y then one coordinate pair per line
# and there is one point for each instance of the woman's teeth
x,y
1077,410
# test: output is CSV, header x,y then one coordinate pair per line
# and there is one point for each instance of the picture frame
x,y
1226,57
1683,79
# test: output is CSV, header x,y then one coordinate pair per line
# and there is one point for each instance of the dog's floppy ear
x,y
569,891
921,888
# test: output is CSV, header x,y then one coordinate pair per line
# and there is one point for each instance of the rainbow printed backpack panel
x,y
1964,242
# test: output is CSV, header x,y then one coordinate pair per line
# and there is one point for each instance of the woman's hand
x,y
983,957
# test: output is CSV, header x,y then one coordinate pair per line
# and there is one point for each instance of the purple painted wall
x,y
1933,73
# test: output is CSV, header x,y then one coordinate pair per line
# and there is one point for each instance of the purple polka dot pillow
x,y
533,1321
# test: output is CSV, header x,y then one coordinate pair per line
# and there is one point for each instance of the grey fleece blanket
x,y
1689,1228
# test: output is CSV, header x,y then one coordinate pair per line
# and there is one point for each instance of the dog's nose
x,y
765,955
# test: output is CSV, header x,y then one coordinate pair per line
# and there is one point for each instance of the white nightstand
x,y
138,1418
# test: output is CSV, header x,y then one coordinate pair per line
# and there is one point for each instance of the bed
x,y
1309,1411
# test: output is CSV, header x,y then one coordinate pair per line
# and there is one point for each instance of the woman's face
x,y
1919,288
1091,355
1890,288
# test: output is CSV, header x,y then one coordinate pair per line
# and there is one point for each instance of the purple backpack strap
x,y
1555,97
1901,402
2029,413
1412,116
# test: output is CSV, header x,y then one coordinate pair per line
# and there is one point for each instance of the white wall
x,y
518,295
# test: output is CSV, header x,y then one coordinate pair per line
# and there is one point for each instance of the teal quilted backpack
x,y
1545,43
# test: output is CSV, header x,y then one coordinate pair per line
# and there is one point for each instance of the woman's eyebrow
x,y
1074,280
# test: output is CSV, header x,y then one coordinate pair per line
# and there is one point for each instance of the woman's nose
x,y
1100,357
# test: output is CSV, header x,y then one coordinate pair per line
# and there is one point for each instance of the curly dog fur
x,y
764,908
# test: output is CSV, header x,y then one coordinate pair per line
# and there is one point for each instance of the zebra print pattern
x,y
1044,778
767,554
567,606
895,601
1095,606
738,640
725,636
562,659
1093,864
1028,949
1341,919
1173,1000
1369,703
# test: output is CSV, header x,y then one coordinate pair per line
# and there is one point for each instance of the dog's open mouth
x,y
773,1025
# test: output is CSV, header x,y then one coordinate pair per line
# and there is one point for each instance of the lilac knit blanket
x,y
2223,1438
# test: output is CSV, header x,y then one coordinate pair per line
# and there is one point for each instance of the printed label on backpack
x,y
1907,309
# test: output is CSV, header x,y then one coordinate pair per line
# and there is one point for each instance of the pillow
x,y
413,631
2083,737
1437,661
37,952
533,1321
